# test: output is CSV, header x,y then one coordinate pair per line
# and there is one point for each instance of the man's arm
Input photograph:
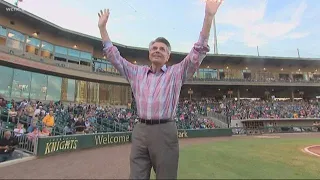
x,y
4,147
112,53
192,61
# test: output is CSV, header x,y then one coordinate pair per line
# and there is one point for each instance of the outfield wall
x,y
285,121
57,144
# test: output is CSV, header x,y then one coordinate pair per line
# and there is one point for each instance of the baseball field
x,y
242,157
251,158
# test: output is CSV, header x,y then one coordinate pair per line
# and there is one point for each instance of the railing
x,y
25,143
282,119
274,129
266,80
220,117
252,80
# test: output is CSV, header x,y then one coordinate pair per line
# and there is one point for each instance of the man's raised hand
x,y
212,6
103,18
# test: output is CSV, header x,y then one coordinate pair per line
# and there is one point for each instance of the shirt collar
x,y
163,68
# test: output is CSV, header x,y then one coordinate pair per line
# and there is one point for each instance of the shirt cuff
x,y
107,44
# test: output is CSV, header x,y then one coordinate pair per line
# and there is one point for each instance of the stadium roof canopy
x,y
44,25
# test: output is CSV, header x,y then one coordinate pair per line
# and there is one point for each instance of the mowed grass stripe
x,y
249,159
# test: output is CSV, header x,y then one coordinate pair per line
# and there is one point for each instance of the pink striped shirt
x,y
157,94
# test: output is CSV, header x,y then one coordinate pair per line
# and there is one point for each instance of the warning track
x,y
100,163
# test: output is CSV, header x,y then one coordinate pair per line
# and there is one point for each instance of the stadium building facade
x,y
40,60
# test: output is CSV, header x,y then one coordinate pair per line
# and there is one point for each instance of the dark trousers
x,y
154,146
5,157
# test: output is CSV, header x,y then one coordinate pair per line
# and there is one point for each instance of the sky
x,y
244,27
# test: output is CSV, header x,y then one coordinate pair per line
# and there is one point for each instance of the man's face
x,y
159,53
7,135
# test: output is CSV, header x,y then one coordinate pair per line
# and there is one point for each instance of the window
x,y
3,41
201,73
93,92
46,54
71,89
33,45
103,67
39,85
73,62
85,63
109,67
195,75
61,50
47,46
96,66
3,31
33,41
61,54
21,84
68,89
14,44
16,35
60,59
81,91
214,73
5,83
86,56
100,67
54,88
32,49
116,94
46,50
209,73
104,93
73,53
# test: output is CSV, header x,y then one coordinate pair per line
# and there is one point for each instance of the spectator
x,y
80,126
67,129
30,109
33,135
88,126
44,132
7,146
39,110
19,130
12,114
48,121
2,102
32,127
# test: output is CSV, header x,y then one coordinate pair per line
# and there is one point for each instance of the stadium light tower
x,y
215,39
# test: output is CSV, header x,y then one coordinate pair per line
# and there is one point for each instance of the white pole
x,y
215,36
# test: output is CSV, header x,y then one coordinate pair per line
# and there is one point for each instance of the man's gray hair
x,y
162,40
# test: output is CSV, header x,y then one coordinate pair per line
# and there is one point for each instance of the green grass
x,y
249,159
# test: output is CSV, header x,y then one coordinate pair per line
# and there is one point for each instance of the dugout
x,y
259,126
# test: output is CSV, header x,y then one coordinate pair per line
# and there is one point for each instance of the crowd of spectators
x,y
262,109
31,119
261,78
35,118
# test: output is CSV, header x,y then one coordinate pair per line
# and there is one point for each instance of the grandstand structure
x,y
43,61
